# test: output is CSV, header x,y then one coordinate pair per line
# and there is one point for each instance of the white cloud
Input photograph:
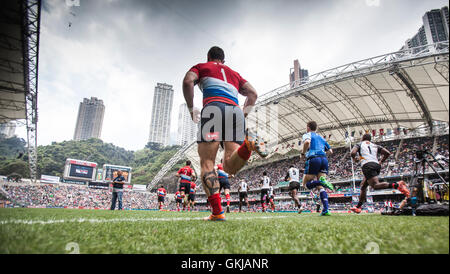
x,y
118,51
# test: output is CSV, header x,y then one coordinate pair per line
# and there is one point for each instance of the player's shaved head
x,y
216,53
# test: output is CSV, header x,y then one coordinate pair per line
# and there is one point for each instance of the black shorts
x,y
186,187
371,169
191,197
294,185
161,199
224,184
264,193
221,122
179,201
242,195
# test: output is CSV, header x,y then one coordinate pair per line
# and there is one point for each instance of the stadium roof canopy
x,y
406,89
19,51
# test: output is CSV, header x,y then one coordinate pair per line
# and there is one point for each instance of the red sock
x,y
243,152
216,203
228,197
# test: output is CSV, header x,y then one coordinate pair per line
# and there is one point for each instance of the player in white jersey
x,y
265,185
271,198
293,177
243,189
371,166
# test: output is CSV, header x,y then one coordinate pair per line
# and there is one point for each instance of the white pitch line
x,y
82,220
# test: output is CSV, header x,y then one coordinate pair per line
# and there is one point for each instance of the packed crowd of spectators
x,y
340,164
73,196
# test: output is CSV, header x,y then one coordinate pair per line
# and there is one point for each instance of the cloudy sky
x,y
117,50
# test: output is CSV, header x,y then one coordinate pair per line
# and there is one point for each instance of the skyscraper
x,y
187,129
90,119
434,29
297,75
161,110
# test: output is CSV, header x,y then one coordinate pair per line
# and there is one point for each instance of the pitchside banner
x,y
110,172
49,179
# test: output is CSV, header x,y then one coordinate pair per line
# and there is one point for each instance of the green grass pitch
x,y
154,232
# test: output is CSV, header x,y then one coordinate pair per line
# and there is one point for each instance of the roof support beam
x,y
313,100
442,69
402,77
336,92
376,96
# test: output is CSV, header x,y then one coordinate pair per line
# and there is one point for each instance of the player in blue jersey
x,y
224,184
315,149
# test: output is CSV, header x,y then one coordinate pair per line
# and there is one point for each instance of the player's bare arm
x,y
189,81
306,144
385,154
250,92
354,152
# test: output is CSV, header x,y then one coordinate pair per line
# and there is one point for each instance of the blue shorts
x,y
224,184
316,165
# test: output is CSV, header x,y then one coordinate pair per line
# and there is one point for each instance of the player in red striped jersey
x,y
191,196
186,175
222,121
161,195
178,200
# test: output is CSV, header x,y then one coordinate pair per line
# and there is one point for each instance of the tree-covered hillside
x,y
51,158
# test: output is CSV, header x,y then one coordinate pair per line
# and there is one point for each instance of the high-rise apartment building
x,y
297,75
187,129
90,119
434,29
161,113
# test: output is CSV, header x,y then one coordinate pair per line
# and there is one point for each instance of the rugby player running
x,y
191,196
293,177
161,195
371,167
187,175
316,164
224,184
265,186
178,199
243,188
222,121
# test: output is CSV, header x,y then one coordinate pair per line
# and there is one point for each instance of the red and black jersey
x,y
161,192
192,190
218,82
186,174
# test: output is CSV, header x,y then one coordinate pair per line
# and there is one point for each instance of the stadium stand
x,y
81,196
